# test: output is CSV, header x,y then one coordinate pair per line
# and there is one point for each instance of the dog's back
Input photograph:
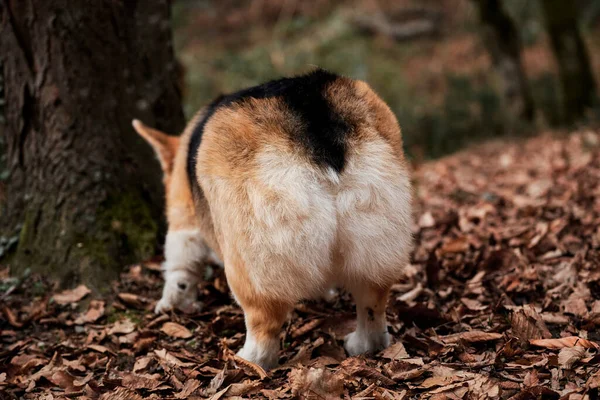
x,y
306,184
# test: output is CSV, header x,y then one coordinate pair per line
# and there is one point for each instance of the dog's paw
x,y
356,344
162,306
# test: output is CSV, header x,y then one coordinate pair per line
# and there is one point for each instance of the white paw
x,y
356,344
162,306
266,356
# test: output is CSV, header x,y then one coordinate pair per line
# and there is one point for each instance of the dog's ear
x,y
164,145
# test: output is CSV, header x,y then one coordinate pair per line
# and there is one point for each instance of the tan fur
x,y
287,229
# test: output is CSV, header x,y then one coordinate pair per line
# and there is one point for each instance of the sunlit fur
x,y
286,228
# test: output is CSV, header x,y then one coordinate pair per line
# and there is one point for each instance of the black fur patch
x,y
324,131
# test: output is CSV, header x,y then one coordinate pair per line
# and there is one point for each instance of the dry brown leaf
x,y
99,348
316,383
83,380
471,337
527,324
307,327
121,393
357,367
141,364
457,245
473,305
249,366
570,341
191,385
72,295
244,388
93,314
122,327
136,381
62,379
218,395
570,355
395,352
175,330
531,379
164,355
594,381
134,300
575,306
11,317
27,361
403,371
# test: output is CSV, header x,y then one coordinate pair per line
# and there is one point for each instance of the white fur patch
x,y
294,213
374,215
263,353
185,254
184,249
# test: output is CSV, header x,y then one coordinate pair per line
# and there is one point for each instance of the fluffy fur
x,y
298,185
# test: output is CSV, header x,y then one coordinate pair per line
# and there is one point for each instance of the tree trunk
x,y
502,40
577,80
83,195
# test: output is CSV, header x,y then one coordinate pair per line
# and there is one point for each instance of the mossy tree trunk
x,y
83,194
577,80
501,38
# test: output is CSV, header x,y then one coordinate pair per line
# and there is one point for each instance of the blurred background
x,y
443,66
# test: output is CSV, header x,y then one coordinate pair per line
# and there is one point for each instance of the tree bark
x,y
577,80
83,195
502,40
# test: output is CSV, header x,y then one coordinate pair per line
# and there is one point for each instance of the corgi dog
x,y
297,185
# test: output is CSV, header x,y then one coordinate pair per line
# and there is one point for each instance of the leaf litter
x,y
501,301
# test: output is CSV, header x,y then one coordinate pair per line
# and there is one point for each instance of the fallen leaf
x,y
121,393
93,314
243,388
471,337
136,381
134,300
175,330
100,349
473,305
307,327
11,317
395,352
313,383
122,327
457,245
141,364
72,295
570,355
164,355
575,306
191,385
570,341
527,324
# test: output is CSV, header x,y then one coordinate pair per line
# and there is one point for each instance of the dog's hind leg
x,y
371,333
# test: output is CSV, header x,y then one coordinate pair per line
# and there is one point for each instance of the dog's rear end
x,y
307,187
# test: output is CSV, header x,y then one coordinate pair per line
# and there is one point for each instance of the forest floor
x,y
502,300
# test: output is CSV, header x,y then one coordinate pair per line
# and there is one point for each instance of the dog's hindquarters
x,y
288,227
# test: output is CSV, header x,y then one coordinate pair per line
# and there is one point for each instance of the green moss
x,y
113,315
131,218
123,232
